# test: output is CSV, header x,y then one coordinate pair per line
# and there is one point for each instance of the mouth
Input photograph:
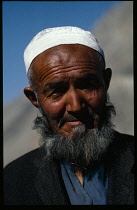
x,y
74,123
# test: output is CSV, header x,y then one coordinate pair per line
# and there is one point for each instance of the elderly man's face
x,y
70,87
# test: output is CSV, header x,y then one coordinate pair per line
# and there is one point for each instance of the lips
x,y
72,120
74,123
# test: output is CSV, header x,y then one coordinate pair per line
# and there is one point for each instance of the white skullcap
x,y
52,37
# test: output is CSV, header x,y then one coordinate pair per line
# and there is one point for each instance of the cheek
x,y
53,110
96,100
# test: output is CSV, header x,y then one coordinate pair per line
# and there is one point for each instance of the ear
x,y
30,94
107,73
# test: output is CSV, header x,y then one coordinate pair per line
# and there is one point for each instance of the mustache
x,y
84,117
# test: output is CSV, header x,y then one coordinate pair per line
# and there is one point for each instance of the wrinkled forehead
x,y
66,54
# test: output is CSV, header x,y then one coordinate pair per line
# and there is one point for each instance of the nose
x,y
75,101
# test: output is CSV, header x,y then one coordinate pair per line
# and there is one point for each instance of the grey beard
x,y
83,149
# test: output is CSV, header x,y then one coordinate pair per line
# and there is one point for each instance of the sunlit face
x,y
69,86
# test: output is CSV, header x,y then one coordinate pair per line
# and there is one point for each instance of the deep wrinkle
x,y
60,67
45,75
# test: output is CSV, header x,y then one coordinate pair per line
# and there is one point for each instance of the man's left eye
x,y
89,85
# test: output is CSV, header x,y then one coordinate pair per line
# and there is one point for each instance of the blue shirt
x,y
94,188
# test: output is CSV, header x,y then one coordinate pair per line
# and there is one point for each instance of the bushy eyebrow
x,y
88,76
53,85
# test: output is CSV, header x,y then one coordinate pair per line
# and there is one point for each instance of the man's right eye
x,y
57,92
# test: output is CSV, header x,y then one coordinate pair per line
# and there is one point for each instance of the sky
x,y
22,20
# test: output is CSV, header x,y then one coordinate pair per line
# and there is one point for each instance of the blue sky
x,y
22,20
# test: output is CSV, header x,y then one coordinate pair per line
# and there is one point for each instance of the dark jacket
x,y
31,180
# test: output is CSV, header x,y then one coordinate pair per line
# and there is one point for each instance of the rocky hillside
x,y
114,33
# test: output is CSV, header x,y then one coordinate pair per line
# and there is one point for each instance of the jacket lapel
x,y
49,184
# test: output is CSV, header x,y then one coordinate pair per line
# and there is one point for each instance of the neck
x,y
79,172
79,175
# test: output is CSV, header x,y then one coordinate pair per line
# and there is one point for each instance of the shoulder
x,y
22,178
23,169
124,141
19,178
22,162
121,150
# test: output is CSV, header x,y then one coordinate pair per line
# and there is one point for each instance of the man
x,y
82,160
